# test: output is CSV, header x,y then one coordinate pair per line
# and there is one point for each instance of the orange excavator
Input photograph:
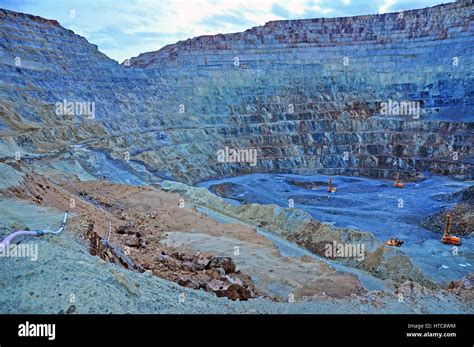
x,y
394,242
331,188
447,237
398,183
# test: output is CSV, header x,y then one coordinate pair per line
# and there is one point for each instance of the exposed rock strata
x,y
293,95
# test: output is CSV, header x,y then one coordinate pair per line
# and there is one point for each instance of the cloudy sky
x,y
126,28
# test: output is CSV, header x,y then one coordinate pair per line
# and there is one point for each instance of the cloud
x,y
125,28
386,6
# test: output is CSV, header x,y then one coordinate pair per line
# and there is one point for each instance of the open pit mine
x,y
304,166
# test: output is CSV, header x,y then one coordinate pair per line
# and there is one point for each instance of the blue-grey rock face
x,y
368,95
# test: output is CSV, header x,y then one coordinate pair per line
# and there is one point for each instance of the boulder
x,y
226,263
233,291
216,273
191,282
132,241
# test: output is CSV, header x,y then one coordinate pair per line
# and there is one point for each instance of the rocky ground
x,y
153,249
67,279
135,227
163,234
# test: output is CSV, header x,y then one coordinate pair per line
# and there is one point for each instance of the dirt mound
x,y
310,185
465,195
383,262
464,289
462,220
464,284
462,213
229,190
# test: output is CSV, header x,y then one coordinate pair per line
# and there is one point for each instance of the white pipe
x,y
10,237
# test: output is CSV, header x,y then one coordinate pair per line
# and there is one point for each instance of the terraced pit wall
x,y
307,94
